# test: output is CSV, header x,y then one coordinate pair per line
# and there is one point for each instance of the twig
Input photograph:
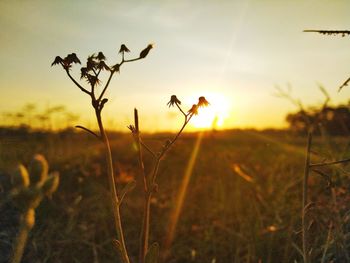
x,y
328,32
329,163
88,130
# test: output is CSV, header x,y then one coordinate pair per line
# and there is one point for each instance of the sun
x,y
214,115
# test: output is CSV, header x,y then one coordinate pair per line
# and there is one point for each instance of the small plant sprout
x,y
149,181
29,188
95,64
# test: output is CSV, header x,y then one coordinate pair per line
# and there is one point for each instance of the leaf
x,y
131,185
152,253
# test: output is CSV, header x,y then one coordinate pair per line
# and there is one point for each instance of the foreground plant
x,y
149,181
30,187
95,64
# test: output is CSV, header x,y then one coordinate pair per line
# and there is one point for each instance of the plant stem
x,y
305,198
144,237
115,199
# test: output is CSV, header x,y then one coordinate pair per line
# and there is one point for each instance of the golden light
x,y
214,115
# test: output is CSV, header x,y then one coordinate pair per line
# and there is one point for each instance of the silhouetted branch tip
x,y
145,52
100,56
58,60
123,48
346,83
343,33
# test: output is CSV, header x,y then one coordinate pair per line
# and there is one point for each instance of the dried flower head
x,y
202,102
194,110
71,58
100,56
84,72
173,100
58,60
116,67
102,65
123,48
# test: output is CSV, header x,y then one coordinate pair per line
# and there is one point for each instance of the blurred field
x,y
243,203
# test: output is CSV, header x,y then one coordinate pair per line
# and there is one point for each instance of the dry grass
x,y
225,217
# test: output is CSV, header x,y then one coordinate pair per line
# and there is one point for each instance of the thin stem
x,y
140,156
305,198
115,199
187,119
178,106
329,163
88,130
147,148
106,86
77,84
144,238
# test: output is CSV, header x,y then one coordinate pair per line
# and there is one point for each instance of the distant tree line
x,y
332,120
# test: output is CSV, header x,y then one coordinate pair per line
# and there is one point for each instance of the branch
x,y
89,131
329,32
344,84
329,163
76,83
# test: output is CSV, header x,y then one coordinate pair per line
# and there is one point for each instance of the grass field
x,y
243,202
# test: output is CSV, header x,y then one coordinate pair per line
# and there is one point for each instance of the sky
x,y
235,53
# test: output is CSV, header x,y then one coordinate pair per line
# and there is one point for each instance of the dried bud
x,y
38,170
20,177
103,102
51,184
145,52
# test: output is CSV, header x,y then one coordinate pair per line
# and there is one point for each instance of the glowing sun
x,y
213,115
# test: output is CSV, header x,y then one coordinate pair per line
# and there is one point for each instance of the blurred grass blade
x,y
152,253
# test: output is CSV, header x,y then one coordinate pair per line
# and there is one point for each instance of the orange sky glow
x,y
232,52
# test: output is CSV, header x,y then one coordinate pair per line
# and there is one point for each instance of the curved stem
x,y
77,84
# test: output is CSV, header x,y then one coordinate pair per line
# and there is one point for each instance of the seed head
x,y
173,100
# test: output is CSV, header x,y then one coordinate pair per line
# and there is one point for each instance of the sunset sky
x,y
232,52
